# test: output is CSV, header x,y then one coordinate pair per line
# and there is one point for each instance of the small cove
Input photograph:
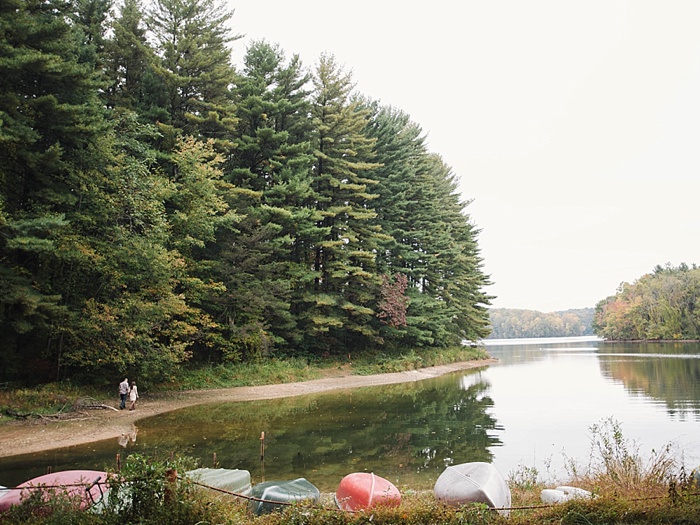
x,y
533,409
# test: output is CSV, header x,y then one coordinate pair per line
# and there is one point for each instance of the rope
x,y
42,486
97,482
253,498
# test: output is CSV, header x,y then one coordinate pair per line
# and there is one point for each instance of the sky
x,y
573,127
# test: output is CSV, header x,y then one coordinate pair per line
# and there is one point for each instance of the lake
x,y
533,410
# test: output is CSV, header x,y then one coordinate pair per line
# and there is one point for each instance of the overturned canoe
x,y
473,483
364,490
273,495
564,493
230,480
87,486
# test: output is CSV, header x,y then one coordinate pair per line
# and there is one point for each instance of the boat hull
x,y
67,482
564,493
274,495
364,490
475,482
230,480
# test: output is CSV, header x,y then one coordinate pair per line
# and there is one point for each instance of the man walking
x,y
123,392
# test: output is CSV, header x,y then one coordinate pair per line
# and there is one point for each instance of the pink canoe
x,y
363,490
87,485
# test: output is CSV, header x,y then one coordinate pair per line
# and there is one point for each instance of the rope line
x,y
42,486
524,507
98,483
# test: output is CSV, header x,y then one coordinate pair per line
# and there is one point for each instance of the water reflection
x,y
667,372
128,437
547,395
407,433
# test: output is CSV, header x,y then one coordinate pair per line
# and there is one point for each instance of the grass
x,y
287,370
53,398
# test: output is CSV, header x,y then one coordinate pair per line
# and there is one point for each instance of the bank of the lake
x,y
26,437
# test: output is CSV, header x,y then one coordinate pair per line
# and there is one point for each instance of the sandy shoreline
x,y
18,438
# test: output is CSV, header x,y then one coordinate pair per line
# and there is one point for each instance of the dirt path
x,y
29,437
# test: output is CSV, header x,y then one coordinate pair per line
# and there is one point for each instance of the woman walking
x,y
133,395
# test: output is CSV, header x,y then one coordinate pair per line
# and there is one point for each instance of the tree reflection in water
x,y
667,372
407,433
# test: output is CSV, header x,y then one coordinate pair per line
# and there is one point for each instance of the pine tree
x,y
129,60
460,264
54,139
431,240
271,174
340,307
195,67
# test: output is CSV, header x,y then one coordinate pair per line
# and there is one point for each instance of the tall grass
x,y
616,464
261,372
46,399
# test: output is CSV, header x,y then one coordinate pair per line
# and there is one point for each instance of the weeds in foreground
x,y
616,468
616,464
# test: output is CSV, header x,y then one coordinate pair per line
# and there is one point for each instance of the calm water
x,y
534,409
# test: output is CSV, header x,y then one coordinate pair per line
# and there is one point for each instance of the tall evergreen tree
x,y
340,307
270,169
431,239
454,276
129,61
195,66
54,138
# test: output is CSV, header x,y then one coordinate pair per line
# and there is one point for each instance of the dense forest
x,y
509,323
159,205
662,305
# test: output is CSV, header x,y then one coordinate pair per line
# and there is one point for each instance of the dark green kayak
x,y
277,494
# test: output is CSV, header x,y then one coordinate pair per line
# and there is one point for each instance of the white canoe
x,y
473,483
564,493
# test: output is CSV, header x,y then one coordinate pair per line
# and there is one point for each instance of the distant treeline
x,y
508,323
159,206
661,305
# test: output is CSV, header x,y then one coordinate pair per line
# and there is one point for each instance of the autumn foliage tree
x,y
661,305
394,302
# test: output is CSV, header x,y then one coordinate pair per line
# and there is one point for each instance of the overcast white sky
x,y
573,126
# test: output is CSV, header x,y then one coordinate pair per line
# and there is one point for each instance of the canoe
x,y
230,480
68,482
564,493
275,495
475,482
364,490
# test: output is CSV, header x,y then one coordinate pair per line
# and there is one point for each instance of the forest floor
x,y
89,425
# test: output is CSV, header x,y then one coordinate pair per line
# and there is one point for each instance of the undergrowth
x,y
47,399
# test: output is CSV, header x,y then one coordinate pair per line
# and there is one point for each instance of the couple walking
x,y
126,390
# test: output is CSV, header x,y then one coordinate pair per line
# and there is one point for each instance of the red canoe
x,y
88,485
363,490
